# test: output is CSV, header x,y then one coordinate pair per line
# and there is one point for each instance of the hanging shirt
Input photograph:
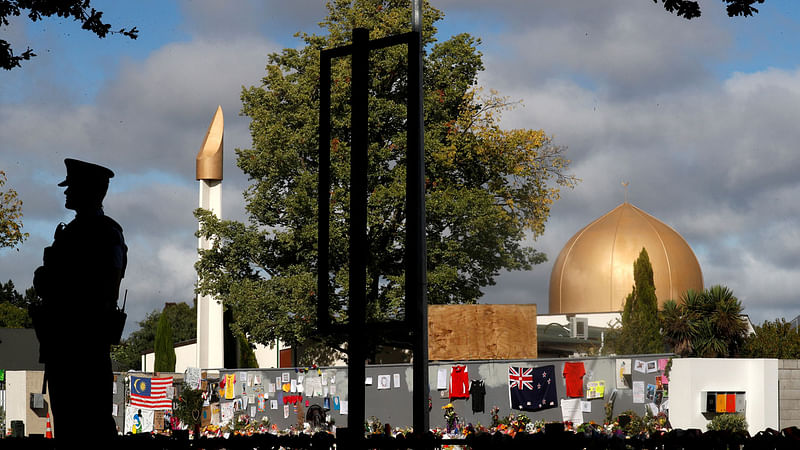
x,y
230,381
459,382
478,392
574,372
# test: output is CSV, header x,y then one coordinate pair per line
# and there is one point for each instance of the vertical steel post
x,y
358,233
324,199
416,249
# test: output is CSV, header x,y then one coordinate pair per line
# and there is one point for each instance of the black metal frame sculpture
x,y
414,330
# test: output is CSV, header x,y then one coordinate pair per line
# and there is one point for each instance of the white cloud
x,y
712,158
628,87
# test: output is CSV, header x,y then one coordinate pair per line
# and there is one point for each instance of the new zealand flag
x,y
532,388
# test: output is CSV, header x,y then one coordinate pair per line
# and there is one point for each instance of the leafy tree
x,y
486,187
690,9
640,328
706,324
10,214
775,339
679,323
14,307
247,356
14,317
9,294
79,10
164,346
183,323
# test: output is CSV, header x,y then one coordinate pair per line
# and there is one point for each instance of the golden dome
x,y
594,271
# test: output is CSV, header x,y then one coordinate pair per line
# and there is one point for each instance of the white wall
x,y
16,396
269,357
594,319
758,378
186,356
19,386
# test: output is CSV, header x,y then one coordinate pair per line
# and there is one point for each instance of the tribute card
x,y
441,379
638,392
623,373
571,410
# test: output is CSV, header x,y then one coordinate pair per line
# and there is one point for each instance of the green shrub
x,y
728,422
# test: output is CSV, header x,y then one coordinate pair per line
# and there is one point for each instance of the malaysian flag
x,y
532,388
150,392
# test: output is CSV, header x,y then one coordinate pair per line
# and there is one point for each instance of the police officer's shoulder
x,y
112,231
112,223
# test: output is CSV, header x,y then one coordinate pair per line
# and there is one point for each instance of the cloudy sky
x,y
699,116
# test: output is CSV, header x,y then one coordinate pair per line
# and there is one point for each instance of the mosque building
x,y
593,275
594,271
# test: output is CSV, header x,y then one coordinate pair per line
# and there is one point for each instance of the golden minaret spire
x,y
209,159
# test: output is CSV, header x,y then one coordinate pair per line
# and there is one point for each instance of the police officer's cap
x,y
84,172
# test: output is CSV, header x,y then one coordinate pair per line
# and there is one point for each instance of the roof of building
x,y
19,349
594,271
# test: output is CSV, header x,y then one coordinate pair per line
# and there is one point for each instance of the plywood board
x,y
477,332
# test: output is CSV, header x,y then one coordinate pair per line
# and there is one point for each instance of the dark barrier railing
x,y
789,438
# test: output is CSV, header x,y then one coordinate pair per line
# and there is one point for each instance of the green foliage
x,y
486,188
78,10
706,324
247,357
14,317
11,233
640,328
183,322
640,424
689,9
188,407
14,306
164,346
776,339
735,423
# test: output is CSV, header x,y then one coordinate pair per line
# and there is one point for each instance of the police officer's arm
x,y
114,271
109,287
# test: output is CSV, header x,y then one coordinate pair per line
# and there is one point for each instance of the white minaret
x,y
210,349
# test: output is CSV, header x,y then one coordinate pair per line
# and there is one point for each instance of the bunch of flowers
x,y
534,427
522,422
588,428
373,426
494,412
211,431
513,424
450,417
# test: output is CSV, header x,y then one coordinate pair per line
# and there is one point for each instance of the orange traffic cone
x,y
48,434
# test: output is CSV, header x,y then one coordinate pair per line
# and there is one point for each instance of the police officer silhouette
x,y
76,322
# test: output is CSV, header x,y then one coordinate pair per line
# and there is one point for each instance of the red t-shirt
x,y
459,382
574,372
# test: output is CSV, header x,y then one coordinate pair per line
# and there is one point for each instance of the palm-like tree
x,y
706,324
676,328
